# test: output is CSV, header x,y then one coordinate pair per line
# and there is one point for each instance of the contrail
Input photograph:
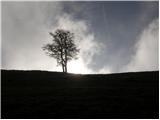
x,y
106,23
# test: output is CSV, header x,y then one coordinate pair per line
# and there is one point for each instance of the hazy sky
x,y
113,36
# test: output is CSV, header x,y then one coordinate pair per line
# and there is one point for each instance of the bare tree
x,y
62,47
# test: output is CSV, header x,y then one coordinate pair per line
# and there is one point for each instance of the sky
x,y
113,36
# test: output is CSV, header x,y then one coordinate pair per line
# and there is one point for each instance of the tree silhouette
x,y
62,47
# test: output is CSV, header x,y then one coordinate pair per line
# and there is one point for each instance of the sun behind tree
x,y
62,48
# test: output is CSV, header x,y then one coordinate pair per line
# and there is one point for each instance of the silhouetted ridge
x,y
42,94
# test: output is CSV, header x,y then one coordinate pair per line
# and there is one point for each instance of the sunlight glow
x,y
77,66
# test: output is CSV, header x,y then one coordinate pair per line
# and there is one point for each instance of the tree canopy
x,y
62,48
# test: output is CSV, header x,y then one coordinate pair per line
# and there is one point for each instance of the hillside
x,y
40,94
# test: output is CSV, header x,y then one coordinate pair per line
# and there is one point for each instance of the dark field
x,y
36,94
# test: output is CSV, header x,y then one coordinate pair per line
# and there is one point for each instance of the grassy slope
x,y
38,94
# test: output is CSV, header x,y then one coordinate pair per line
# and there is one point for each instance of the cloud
x,y
84,39
24,31
105,70
25,28
146,50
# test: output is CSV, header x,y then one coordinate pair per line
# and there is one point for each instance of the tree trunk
x,y
62,61
63,67
66,67
65,55
65,62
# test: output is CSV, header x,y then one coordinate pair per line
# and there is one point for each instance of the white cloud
x,y
146,54
24,31
105,70
25,28
84,39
